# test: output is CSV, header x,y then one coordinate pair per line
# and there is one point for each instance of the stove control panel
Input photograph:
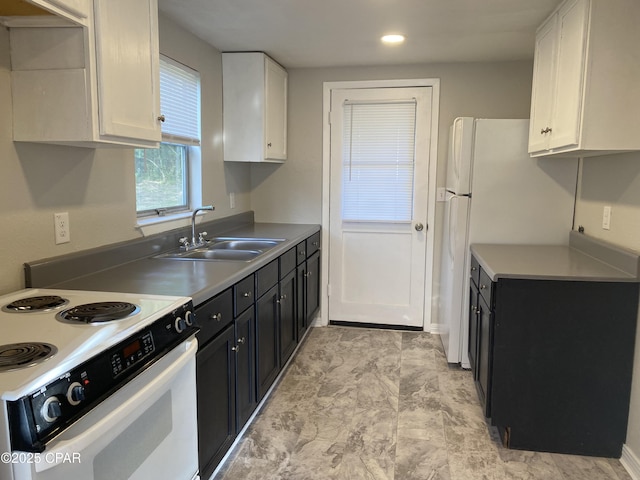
x,y
36,418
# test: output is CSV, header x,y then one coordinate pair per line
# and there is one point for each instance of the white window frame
x,y
163,221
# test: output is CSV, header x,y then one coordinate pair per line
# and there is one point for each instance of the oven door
x,y
147,429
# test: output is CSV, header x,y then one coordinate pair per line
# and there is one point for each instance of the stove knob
x,y
75,393
188,318
179,325
51,409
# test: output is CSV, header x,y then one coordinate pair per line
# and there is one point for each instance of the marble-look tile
x,y
576,467
385,405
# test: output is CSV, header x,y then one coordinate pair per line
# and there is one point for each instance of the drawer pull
x,y
482,287
246,294
302,252
216,316
315,244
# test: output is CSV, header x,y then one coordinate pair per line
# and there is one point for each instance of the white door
x,y
380,144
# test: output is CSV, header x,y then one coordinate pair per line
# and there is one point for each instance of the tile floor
x,y
380,404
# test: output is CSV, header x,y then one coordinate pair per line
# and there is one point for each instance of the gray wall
x,y
614,180
293,191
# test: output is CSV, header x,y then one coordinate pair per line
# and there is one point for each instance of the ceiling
x,y
321,33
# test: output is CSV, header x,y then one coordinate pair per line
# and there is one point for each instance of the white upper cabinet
x,y
255,108
89,85
586,87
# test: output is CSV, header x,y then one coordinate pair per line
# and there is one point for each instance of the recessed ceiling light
x,y
392,39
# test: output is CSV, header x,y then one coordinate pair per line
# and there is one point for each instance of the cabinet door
x,y
484,360
215,374
474,315
301,299
312,286
287,303
569,74
543,86
127,62
245,366
267,353
275,111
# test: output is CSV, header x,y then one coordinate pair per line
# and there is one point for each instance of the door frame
x,y
434,83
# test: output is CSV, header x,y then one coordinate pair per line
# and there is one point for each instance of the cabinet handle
x,y
473,269
235,348
216,316
241,340
545,130
302,253
308,274
246,294
269,144
283,297
162,118
315,244
482,287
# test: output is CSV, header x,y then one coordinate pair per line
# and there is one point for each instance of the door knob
x,y
419,227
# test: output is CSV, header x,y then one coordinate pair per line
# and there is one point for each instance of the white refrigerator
x,y
495,193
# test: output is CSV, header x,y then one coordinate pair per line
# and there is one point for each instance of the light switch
x,y
606,218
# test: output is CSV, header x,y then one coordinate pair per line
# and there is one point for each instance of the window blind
x,y
179,103
378,161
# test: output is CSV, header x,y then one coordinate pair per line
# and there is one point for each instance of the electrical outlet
x,y
61,226
606,218
232,200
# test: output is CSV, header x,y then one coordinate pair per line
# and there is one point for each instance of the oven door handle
x,y
117,420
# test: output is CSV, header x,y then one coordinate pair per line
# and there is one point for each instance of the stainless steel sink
x,y
207,254
225,248
261,244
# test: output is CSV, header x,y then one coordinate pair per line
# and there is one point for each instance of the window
x,y
378,161
163,175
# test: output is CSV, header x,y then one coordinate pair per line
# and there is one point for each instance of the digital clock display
x,y
131,349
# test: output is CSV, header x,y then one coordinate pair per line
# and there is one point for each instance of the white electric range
x,y
97,385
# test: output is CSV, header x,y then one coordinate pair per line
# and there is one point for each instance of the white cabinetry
x,y
89,85
255,108
75,10
586,92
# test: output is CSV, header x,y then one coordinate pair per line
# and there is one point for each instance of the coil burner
x,y
99,312
21,355
41,303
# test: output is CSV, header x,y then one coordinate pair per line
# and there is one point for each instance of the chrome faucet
x,y
200,241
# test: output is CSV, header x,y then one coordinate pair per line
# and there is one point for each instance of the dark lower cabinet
x,y
287,315
553,361
245,330
267,340
312,286
247,333
215,376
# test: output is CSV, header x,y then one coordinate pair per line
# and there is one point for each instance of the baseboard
x,y
435,328
630,462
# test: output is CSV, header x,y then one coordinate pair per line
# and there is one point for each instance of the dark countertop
x,y
199,280
584,259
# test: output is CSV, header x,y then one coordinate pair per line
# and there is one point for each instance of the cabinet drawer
x,y
475,270
313,244
485,286
287,262
266,278
243,294
213,315
301,252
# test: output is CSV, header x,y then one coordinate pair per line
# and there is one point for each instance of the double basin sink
x,y
225,248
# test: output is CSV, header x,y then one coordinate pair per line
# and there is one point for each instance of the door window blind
x,y
378,161
180,103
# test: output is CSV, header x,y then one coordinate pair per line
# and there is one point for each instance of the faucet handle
x,y
202,237
184,241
